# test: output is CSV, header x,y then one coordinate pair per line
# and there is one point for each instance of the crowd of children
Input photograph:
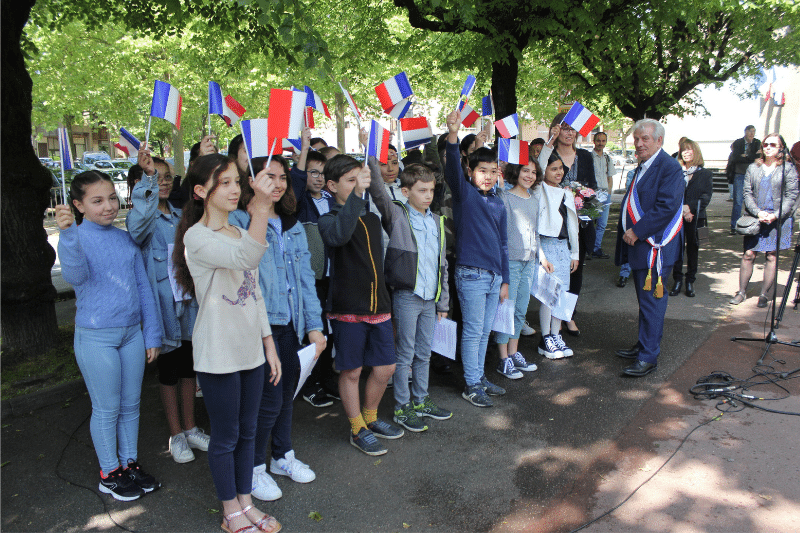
x,y
357,259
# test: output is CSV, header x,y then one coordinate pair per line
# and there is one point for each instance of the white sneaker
x,y
289,466
566,350
526,329
197,439
179,449
264,487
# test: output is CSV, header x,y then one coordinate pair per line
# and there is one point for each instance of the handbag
x,y
747,225
702,234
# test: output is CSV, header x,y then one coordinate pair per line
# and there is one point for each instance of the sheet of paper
x,y
177,291
445,338
546,287
504,317
565,306
307,363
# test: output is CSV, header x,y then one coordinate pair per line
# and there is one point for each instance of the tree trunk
x,y
28,317
504,87
339,111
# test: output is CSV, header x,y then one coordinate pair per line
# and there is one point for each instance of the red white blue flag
x,y
257,141
416,131
487,109
378,144
514,151
401,109
393,90
66,151
313,100
286,110
508,127
351,102
166,103
581,119
127,143
227,108
468,115
468,86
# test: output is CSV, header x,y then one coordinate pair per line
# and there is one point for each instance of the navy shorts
x,y
175,365
361,344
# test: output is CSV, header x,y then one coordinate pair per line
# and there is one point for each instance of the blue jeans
x,y
415,319
232,405
738,198
112,364
479,293
275,411
519,292
600,225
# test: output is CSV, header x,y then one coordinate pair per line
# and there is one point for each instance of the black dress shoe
x,y
600,254
630,353
690,289
573,332
622,281
639,369
676,289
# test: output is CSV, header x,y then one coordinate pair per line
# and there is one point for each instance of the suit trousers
x,y
651,313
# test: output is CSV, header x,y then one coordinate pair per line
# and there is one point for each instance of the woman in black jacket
x,y
695,199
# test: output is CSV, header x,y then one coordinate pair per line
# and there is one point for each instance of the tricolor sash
x,y
634,209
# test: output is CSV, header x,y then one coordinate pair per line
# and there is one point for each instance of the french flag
x,y
166,103
401,109
378,145
508,127
313,100
513,150
468,86
416,131
393,90
351,102
255,133
487,109
227,108
66,151
469,116
581,119
286,110
127,143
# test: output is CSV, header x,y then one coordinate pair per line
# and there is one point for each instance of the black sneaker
x,y
143,480
119,484
318,398
367,443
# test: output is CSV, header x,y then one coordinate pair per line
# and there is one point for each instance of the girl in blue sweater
x,y
106,269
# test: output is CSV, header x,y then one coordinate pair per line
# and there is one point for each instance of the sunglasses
x,y
772,145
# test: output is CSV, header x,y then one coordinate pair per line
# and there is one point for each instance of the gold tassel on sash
x,y
659,288
648,283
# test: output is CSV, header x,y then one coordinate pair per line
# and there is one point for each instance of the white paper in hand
x,y
546,287
504,317
566,306
177,291
445,338
307,362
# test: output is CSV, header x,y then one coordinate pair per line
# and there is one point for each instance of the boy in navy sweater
x,y
481,257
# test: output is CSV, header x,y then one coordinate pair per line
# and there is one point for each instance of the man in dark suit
x,y
743,152
650,238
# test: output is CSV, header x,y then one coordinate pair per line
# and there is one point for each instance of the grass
x,y
25,375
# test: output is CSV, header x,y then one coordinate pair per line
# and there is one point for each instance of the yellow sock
x,y
356,424
370,415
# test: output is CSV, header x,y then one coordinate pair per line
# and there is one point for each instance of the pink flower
x,y
578,203
587,192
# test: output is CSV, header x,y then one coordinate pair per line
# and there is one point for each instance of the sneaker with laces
x,y
406,416
506,368
549,348
566,350
197,439
264,487
427,408
527,329
367,443
520,363
318,398
145,481
289,466
475,395
490,388
179,449
120,485
385,430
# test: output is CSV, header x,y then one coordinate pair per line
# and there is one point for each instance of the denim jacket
x,y
153,231
287,279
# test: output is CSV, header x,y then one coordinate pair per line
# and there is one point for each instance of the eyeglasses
x,y
772,145
315,173
165,179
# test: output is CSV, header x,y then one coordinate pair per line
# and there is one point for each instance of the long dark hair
x,y
287,204
77,189
511,174
205,168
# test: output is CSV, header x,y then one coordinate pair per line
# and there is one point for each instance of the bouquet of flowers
x,y
586,201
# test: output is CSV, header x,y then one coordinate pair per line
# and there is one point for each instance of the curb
x,y
36,400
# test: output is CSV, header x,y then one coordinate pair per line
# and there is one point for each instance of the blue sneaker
x,y
367,443
385,430
490,388
475,395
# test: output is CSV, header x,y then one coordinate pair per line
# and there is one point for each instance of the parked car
x,y
122,164
89,158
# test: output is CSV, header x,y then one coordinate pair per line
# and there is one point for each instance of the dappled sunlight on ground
x,y
101,522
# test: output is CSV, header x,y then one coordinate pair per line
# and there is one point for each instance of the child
x,y
389,172
558,234
151,222
287,284
416,269
232,333
524,255
358,302
113,297
482,257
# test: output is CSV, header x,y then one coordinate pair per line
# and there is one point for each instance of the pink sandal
x,y
226,523
267,524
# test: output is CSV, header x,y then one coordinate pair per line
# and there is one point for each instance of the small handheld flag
x,y
393,90
514,151
581,119
127,143
416,131
469,116
378,144
257,142
508,127
286,113
166,103
214,98
352,103
401,109
467,88
313,100
66,159
487,109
